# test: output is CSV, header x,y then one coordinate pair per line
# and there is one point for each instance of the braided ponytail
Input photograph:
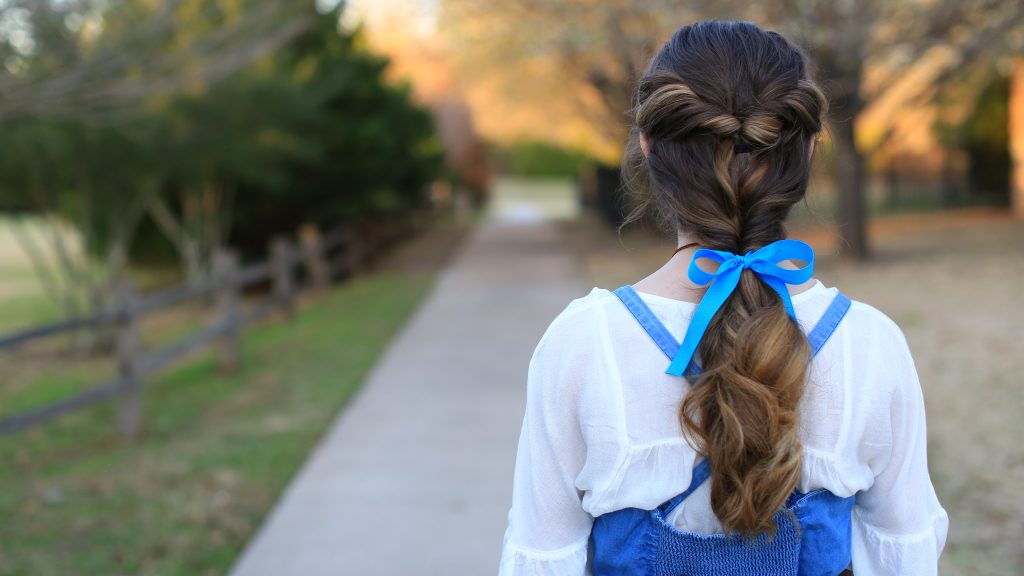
x,y
730,112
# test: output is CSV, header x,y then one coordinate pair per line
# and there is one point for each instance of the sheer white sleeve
x,y
548,530
899,527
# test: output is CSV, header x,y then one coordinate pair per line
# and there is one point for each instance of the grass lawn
x,y
216,451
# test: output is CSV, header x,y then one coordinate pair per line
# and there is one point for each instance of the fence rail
x,y
323,258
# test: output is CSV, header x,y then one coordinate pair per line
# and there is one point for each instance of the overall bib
x,y
813,537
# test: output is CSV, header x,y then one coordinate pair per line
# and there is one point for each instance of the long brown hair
x,y
730,110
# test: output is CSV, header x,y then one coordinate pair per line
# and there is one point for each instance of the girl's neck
x,y
671,280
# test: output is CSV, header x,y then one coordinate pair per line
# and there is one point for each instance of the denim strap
x,y
820,334
829,321
648,321
822,331
701,472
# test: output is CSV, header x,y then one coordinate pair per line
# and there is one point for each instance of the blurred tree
x,y
467,167
1016,129
88,178
588,53
889,38
984,134
368,151
549,67
86,57
81,88
239,143
243,134
538,159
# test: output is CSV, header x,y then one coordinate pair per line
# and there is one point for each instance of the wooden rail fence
x,y
322,258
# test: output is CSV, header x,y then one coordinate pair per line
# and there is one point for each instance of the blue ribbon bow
x,y
763,262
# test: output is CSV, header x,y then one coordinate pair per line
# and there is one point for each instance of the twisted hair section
x,y
730,111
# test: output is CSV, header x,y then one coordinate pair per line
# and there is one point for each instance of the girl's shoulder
x,y
875,342
869,318
580,316
596,319
813,300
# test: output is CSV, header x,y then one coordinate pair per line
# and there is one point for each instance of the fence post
x,y
225,269
129,412
341,261
372,241
281,265
316,264
353,249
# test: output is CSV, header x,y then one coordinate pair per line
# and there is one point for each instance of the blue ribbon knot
x,y
763,262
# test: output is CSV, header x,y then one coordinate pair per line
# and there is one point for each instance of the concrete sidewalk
x,y
414,477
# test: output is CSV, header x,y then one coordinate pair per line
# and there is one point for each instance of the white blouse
x,y
601,433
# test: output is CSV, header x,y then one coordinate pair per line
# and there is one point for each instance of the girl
x,y
728,414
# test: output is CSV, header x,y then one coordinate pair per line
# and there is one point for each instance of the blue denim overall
x,y
813,537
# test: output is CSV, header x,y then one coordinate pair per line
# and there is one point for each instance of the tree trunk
x,y
611,199
849,175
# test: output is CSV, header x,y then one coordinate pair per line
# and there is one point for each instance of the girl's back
x,y
725,123
604,435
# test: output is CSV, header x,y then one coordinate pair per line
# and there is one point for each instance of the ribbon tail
x,y
780,287
716,295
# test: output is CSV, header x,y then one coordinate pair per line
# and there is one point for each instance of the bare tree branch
x,y
121,77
